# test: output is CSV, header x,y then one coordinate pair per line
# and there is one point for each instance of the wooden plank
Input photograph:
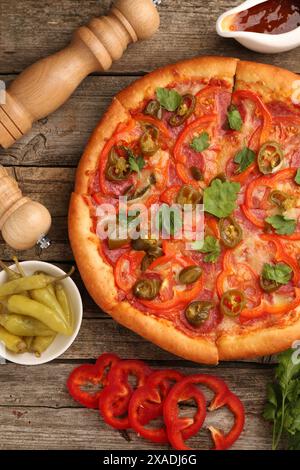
x,y
30,31
28,415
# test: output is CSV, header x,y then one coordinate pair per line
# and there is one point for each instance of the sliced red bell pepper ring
x,y
267,117
155,122
180,297
192,127
225,441
152,396
269,181
119,389
169,195
223,397
90,374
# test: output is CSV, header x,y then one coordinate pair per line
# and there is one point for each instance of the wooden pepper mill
x,y
47,84
24,223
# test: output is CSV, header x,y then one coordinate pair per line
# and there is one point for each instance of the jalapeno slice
x,y
198,312
190,274
116,243
232,302
270,157
144,244
281,199
231,232
117,167
268,285
197,174
221,176
154,109
149,140
188,195
184,110
146,289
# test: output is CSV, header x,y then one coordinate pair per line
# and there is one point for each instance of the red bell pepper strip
x,y
224,441
189,129
155,122
89,374
222,397
152,396
119,389
267,117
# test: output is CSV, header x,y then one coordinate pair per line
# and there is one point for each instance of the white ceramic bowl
x,y
259,42
61,342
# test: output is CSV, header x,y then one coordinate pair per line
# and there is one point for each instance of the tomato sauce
x,y
271,17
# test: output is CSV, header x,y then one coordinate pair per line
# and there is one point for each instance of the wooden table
x,y
36,412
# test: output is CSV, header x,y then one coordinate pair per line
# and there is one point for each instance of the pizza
x,y
210,131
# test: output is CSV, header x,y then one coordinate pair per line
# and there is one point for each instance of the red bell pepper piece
x,y
119,390
224,441
222,397
147,402
89,374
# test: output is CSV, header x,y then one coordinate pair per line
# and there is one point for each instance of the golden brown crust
x,y
260,342
164,334
272,83
97,275
222,68
115,115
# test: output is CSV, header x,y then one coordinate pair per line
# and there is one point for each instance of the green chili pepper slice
x,y
190,274
232,302
268,285
154,109
281,199
188,195
149,140
117,167
198,312
196,173
184,110
146,289
231,232
270,157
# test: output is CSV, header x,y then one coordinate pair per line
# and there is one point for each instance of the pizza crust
x,y
98,275
272,83
257,343
222,68
162,332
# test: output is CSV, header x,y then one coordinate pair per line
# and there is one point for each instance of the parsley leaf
x,y
234,118
244,158
283,400
201,142
220,197
136,163
297,177
280,272
281,225
211,246
168,99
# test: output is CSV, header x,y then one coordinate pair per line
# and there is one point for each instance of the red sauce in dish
x,y
271,17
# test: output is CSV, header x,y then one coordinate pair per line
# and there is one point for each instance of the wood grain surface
x,y
35,409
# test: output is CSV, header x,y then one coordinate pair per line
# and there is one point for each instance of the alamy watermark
x,y
160,221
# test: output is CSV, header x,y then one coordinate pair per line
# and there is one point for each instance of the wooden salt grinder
x,y
24,223
47,84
